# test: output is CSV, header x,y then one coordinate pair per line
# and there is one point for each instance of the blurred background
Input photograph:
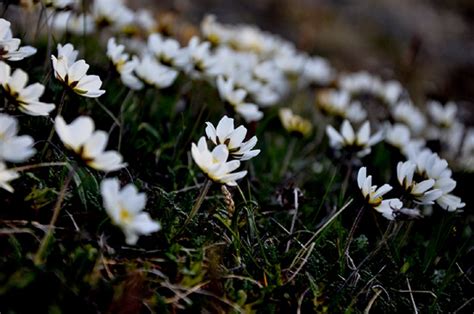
x,y
427,45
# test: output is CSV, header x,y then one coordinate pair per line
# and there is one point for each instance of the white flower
x,y
201,61
124,66
14,148
112,13
360,142
214,164
294,123
60,4
430,166
168,51
338,103
6,176
215,32
236,98
423,192
26,98
318,70
398,135
407,113
226,134
444,117
125,208
73,73
374,196
70,22
80,137
155,74
10,47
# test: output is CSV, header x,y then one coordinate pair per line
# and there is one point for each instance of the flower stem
x,y
50,137
199,200
353,229
38,258
288,156
40,165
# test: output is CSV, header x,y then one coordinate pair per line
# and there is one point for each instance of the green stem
x,y
39,256
51,134
40,165
353,229
199,200
288,156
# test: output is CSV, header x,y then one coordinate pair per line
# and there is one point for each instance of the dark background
x,y
427,45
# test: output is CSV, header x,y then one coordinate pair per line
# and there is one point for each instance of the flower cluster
x,y
230,149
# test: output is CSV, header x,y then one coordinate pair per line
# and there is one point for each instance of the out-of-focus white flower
x,y
348,139
291,62
59,4
374,196
25,98
80,137
430,166
70,22
443,116
318,70
408,114
124,66
144,19
112,13
168,51
236,98
338,103
10,47
214,164
215,32
125,208
293,123
6,176
14,148
422,192
155,74
201,61
398,135
73,73
233,138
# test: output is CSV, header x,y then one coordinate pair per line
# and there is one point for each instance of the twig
x,y
328,222
372,300
412,298
296,192
38,258
464,304
300,301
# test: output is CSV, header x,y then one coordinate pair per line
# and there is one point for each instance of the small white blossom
x,y
80,137
10,47
155,74
408,114
422,192
73,73
125,208
233,138
236,98
14,148
26,98
112,13
374,196
399,135
361,142
123,64
168,51
6,176
443,116
294,123
214,164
